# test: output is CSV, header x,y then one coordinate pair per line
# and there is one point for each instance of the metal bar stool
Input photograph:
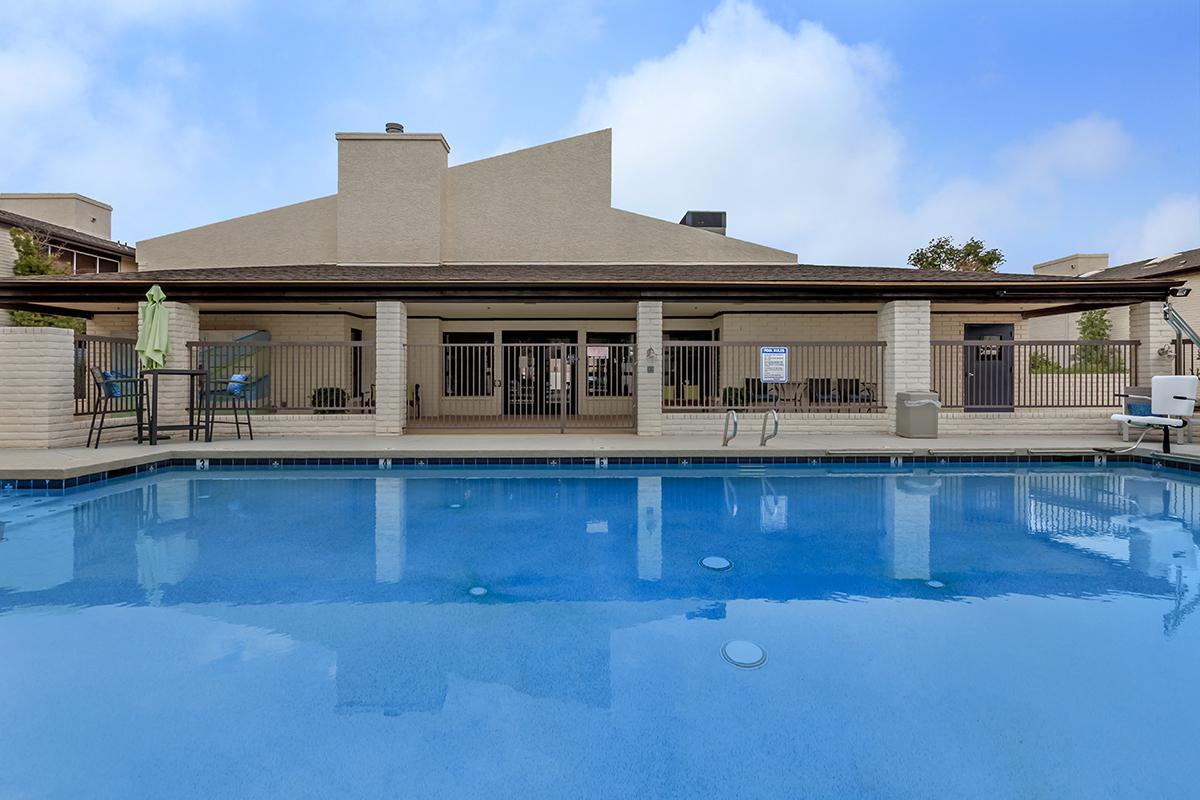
x,y
111,388
234,387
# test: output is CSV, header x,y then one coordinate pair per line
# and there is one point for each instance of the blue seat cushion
x,y
112,386
1139,410
235,387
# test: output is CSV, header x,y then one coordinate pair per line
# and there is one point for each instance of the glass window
x,y
467,364
610,364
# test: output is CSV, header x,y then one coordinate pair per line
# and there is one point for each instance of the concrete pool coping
x,y
65,463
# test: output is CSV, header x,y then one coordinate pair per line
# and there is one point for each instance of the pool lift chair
x,y
1172,402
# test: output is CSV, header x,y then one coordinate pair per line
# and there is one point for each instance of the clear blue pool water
x,y
314,634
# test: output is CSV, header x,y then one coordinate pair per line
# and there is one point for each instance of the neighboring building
x,y
77,230
508,292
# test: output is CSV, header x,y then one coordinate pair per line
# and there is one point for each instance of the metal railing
x,y
550,385
317,377
994,375
114,354
820,376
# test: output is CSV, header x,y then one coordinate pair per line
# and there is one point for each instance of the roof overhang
x,y
531,286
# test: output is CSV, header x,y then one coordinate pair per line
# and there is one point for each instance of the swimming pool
x,y
959,631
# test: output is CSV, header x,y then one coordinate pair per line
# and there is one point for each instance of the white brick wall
x,y
37,393
391,381
750,424
904,325
183,326
1146,325
850,327
649,368
113,325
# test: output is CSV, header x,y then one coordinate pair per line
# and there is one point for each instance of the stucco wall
x,y
390,198
551,203
304,233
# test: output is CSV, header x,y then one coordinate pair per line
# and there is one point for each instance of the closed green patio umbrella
x,y
152,341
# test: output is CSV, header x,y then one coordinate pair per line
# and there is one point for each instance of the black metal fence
x,y
317,377
996,375
550,385
800,376
112,354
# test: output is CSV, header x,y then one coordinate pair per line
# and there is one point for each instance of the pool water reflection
x,y
982,632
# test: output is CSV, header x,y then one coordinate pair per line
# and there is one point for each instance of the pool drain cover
x,y
746,655
477,591
718,563
935,584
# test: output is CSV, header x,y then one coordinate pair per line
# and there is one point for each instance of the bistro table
x,y
195,423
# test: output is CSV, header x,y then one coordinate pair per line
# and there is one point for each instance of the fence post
x,y
1154,335
649,393
391,367
903,327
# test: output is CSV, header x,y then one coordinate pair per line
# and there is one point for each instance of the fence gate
x,y
546,385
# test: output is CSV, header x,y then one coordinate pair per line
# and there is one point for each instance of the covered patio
x,y
364,350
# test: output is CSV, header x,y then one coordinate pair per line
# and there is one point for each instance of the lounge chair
x,y
1172,401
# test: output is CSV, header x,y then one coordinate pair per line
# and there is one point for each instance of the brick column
x,y
649,367
1147,326
183,326
37,392
391,367
903,325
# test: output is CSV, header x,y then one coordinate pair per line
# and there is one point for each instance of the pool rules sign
x,y
773,364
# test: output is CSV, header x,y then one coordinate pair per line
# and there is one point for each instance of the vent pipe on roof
x,y
393,127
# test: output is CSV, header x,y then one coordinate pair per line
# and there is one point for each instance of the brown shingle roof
x,y
67,235
1161,266
563,273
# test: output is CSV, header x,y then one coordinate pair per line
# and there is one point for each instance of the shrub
x,y
330,400
733,396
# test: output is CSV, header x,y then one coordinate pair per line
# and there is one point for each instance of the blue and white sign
x,y
773,364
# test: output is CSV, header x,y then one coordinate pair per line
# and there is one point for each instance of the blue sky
x,y
849,132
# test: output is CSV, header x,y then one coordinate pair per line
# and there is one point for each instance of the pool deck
x,y
76,461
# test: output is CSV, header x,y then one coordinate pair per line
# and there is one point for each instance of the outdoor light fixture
x,y
1179,291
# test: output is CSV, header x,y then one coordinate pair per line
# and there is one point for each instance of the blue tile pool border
x,y
43,485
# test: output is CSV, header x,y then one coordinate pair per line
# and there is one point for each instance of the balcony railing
x,y
996,375
318,377
112,354
841,377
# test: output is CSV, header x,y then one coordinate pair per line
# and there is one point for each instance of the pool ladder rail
x,y
731,427
730,417
774,415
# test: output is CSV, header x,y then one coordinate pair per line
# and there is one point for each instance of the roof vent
x,y
706,220
393,127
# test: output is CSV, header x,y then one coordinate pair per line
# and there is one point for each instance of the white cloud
x,y
789,131
69,125
1169,227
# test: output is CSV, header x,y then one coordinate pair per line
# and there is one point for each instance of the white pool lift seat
x,y
1172,402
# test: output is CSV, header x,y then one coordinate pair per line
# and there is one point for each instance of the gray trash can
x,y
917,415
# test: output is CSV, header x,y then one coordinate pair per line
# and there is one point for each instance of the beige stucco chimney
x,y
390,197
67,209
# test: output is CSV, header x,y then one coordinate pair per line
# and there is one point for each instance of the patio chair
x,y
1172,402
111,387
760,393
233,388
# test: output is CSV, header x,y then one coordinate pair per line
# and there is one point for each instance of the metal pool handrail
x,y
774,414
730,415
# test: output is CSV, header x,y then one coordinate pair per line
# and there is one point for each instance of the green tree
x,y
944,255
1095,326
33,258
